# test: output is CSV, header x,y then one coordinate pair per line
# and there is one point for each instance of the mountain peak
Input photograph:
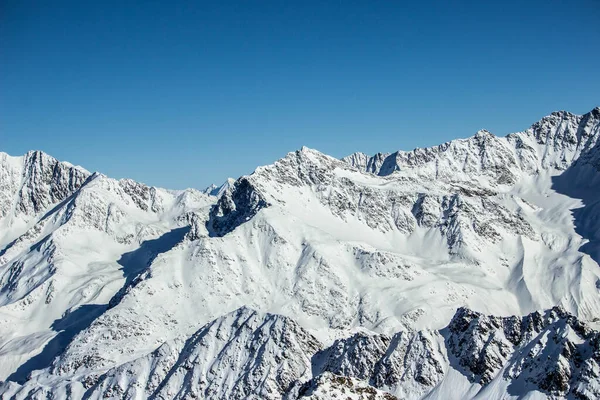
x,y
37,153
35,181
484,133
40,156
348,272
308,150
217,191
562,113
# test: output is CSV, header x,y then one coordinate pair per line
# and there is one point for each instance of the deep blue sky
x,y
185,93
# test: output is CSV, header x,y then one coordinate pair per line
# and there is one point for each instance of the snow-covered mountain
x,y
313,277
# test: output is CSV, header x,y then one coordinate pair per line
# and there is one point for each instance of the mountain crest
x,y
370,277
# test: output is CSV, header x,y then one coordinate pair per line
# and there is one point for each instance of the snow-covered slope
x,y
476,356
29,185
71,240
242,354
247,354
217,191
107,285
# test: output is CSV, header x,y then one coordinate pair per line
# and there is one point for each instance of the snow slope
x,y
247,354
106,285
71,240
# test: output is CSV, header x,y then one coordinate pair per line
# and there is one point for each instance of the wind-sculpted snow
x,y
106,285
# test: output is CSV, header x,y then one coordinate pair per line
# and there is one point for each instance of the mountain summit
x,y
464,270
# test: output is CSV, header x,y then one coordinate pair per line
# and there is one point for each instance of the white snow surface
x,y
101,280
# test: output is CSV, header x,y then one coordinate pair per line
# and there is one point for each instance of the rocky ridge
x,y
246,354
362,260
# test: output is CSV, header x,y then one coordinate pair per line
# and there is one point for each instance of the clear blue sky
x,y
185,93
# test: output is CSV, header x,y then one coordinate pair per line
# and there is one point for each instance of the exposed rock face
x,y
143,196
256,356
112,288
99,203
30,184
235,206
552,352
329,386
244,354
552,143
406,363
459,211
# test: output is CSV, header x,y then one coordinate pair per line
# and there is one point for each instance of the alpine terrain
x,y
469,270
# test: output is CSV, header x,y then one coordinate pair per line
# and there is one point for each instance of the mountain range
x,y
469,270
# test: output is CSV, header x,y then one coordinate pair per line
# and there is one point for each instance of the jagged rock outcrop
x,y
247,354
236,206
552,143
114,288
244,354
329,386
455,210
408,363
552,352
31,183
